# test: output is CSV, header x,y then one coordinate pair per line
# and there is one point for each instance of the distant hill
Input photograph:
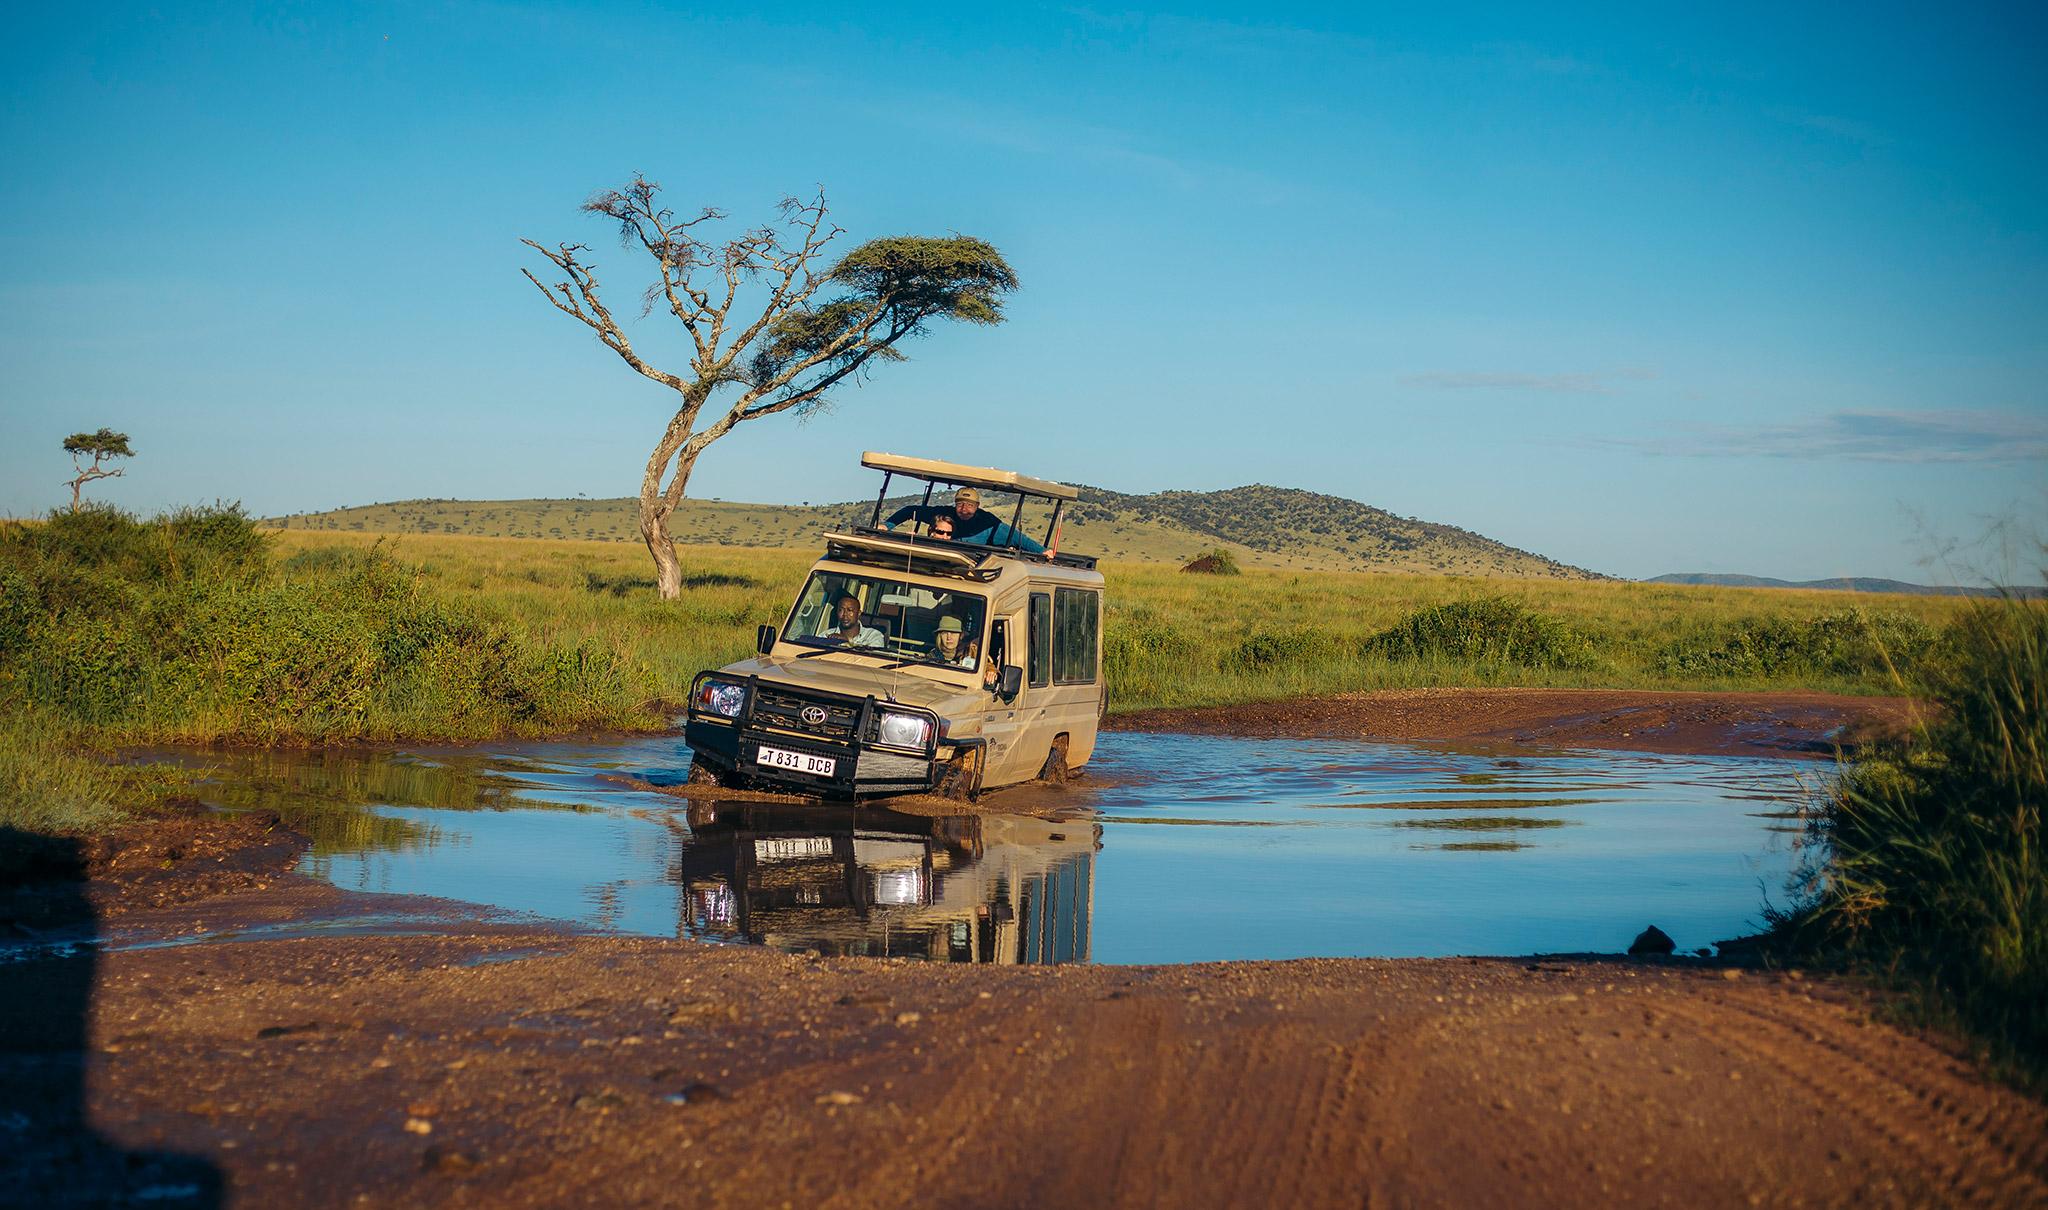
x,y
1264,526
1844,584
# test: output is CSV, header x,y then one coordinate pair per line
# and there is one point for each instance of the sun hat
x,y
952,624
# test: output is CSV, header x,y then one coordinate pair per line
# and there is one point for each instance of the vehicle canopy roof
x,y
962,475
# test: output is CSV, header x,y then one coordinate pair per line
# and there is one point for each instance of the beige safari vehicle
x,y
912,662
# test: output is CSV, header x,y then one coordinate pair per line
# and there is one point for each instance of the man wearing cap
x,y
971,523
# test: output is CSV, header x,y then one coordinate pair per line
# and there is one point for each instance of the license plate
x,y
801,762
791,848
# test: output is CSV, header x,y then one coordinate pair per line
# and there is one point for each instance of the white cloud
x,y
1961,435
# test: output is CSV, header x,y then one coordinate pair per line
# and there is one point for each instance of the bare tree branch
x,y
790,353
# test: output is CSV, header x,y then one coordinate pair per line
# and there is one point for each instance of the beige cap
x,y
950,623
965,494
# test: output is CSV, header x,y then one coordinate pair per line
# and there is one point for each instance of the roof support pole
x,y
875,522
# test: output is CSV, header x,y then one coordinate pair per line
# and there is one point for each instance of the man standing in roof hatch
x,y
971,523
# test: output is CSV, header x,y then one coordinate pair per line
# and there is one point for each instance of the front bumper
x,y
773,715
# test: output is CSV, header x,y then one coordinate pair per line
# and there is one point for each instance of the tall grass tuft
x,y
45,787
1937,870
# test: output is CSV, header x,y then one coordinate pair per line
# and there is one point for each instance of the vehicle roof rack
x,y
967,476
934,471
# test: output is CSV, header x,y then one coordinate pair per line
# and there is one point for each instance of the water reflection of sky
x,y
1395,851
1201,848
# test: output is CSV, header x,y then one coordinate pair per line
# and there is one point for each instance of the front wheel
x,y
703,774
960,779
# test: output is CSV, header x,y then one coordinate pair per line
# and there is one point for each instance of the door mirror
x,y
1013,680
764,639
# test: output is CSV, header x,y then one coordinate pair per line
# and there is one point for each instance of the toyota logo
x,y
812,715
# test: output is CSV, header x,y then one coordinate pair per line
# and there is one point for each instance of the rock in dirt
x,y
445,1159
1652,940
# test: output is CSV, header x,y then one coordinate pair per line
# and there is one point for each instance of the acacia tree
x,y
101,446
805,327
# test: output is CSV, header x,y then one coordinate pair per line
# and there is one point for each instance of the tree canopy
x,y
808,326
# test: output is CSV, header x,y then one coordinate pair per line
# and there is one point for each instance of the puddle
x,y
1193,848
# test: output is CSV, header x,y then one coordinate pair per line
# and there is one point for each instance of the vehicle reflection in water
x,y
873,882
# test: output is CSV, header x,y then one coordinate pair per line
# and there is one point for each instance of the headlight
x,y
904,730
721,698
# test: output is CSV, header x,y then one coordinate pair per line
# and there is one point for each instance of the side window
x,y
1073,648
1040,670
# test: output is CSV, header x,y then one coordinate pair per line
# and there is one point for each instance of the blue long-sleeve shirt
x,y
982,529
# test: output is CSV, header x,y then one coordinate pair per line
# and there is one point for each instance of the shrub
x,y
1496,630
1849,643
1936,865
180,628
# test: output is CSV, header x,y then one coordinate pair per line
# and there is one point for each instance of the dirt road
x,y
515,1068
482,1063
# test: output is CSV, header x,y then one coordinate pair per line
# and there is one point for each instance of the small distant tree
x,y
807,326
99,447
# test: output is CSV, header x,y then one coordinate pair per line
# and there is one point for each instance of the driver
x,y
847,630
947,640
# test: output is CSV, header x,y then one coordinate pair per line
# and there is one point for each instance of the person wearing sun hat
x,y
946,646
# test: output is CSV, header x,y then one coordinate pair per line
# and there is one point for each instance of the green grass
x,y
197,627
1176,640
47,787
1935,876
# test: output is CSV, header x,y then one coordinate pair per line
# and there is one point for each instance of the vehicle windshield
x,y
889,618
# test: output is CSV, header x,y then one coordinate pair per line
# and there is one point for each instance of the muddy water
x,y
1183,849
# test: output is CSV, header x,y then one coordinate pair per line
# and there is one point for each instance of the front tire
x,y
710,776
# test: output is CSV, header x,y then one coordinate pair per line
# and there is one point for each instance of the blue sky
x,y
1642,288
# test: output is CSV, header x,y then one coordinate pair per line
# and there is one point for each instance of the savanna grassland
x,y
1176,639
200,627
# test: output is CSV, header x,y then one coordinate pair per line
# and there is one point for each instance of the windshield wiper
x,y
869,651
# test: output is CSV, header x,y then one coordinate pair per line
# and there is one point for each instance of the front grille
x,y
785,712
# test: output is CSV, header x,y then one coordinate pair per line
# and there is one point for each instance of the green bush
x,y
180,628
1848,643
1483,630
1936,864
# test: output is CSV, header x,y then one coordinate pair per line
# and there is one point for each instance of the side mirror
x,y
1013,680
764,639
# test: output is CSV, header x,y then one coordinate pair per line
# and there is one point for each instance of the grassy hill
x,y
1263,526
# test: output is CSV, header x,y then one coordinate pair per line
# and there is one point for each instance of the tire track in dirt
x,y
1885,1090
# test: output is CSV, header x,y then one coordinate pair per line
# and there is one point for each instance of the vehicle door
x,y
1006,725
1074,668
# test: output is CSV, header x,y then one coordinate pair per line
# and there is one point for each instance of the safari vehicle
x,y
914,663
